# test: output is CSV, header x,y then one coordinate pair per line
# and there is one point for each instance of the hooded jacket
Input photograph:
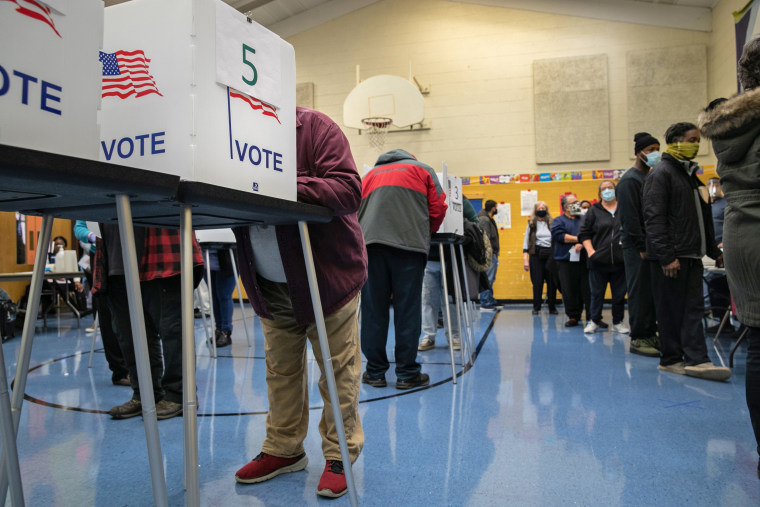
x,y
734,129
402,204
603,229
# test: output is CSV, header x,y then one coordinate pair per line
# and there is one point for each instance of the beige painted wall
x,y
477,61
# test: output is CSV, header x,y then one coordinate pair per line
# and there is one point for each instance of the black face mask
x,y
541,213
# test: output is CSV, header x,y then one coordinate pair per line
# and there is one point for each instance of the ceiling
x,y
289,17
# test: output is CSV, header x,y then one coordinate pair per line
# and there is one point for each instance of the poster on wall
x,y
527,199
503,216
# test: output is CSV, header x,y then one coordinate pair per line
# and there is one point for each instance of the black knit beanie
x,y
642,140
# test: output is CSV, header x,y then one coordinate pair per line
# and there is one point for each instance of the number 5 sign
x,y
247,56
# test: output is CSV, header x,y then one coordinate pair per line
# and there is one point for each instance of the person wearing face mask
x,y
679,233
641,312
600,236
536,254
570,258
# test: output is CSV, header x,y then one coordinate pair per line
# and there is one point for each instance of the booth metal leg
x,y
190,402
137,318
327,359
10,453
27,337
211,306
458,301
467,314
448,313
240,299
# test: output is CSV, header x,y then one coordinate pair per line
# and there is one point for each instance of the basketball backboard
x,y
384,96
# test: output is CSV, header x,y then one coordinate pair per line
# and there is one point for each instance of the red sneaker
x,y
265,466
333,481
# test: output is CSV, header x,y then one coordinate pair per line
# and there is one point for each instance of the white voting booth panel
x,y
191,88
453,222
215,236
50,76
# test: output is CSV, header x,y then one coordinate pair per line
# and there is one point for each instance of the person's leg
x,y
570,289
669,304
431,300
692,330
375,304
114,356
752,382
167,316
286,375
634,281
617,290
222,287
551,288
585,290
486,296
537,280
343,336
406,278
598,285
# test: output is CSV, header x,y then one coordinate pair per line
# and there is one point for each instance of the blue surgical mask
x,y
608,194
653,158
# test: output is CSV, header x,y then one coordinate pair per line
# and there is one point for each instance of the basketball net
x,y
378,128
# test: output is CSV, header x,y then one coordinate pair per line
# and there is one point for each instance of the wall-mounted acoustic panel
x,y
665,86
571,100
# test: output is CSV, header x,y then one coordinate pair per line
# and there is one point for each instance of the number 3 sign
x,y
247,56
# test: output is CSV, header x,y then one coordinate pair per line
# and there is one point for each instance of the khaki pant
x,y
287,389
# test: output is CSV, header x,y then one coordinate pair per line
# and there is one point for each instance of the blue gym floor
x,y
545,416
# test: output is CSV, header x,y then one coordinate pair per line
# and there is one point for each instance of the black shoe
x,y
571,323
552,311
124,381
132,408
374,382
419,380
223,338
166,409
535,312
602,324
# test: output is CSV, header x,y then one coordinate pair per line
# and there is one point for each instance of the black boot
x,y
223,338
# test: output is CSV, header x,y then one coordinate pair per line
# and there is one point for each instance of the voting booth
x,y
197,90
50,76
453,222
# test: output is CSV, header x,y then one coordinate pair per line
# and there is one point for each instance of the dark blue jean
x,y
395,273
222,286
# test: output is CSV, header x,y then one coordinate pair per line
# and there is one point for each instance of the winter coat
x,y
488,224
628,192
603,229
734,129
671,215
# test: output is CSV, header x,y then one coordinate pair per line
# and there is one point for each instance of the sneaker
x,y
223,338
419,380
426,344
332,484
621,328
602,324
644,347
571,323
374,382
124,381
132,408
535,312
673,368
90,330
487,308
166,409
591,327
457,344
708,371
265,466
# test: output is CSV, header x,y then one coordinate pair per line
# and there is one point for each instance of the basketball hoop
x,y
378,127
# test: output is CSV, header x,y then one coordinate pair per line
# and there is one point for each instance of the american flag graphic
x,y
35,10
256,104
126,73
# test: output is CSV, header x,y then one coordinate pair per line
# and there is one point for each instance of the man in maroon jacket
x,y
274,275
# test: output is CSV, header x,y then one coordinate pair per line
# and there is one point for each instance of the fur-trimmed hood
x,y
732,125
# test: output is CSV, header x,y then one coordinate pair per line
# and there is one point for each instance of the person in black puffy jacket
x,y
600,236
679,233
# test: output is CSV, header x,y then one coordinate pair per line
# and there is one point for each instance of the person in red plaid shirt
x,y
158,254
